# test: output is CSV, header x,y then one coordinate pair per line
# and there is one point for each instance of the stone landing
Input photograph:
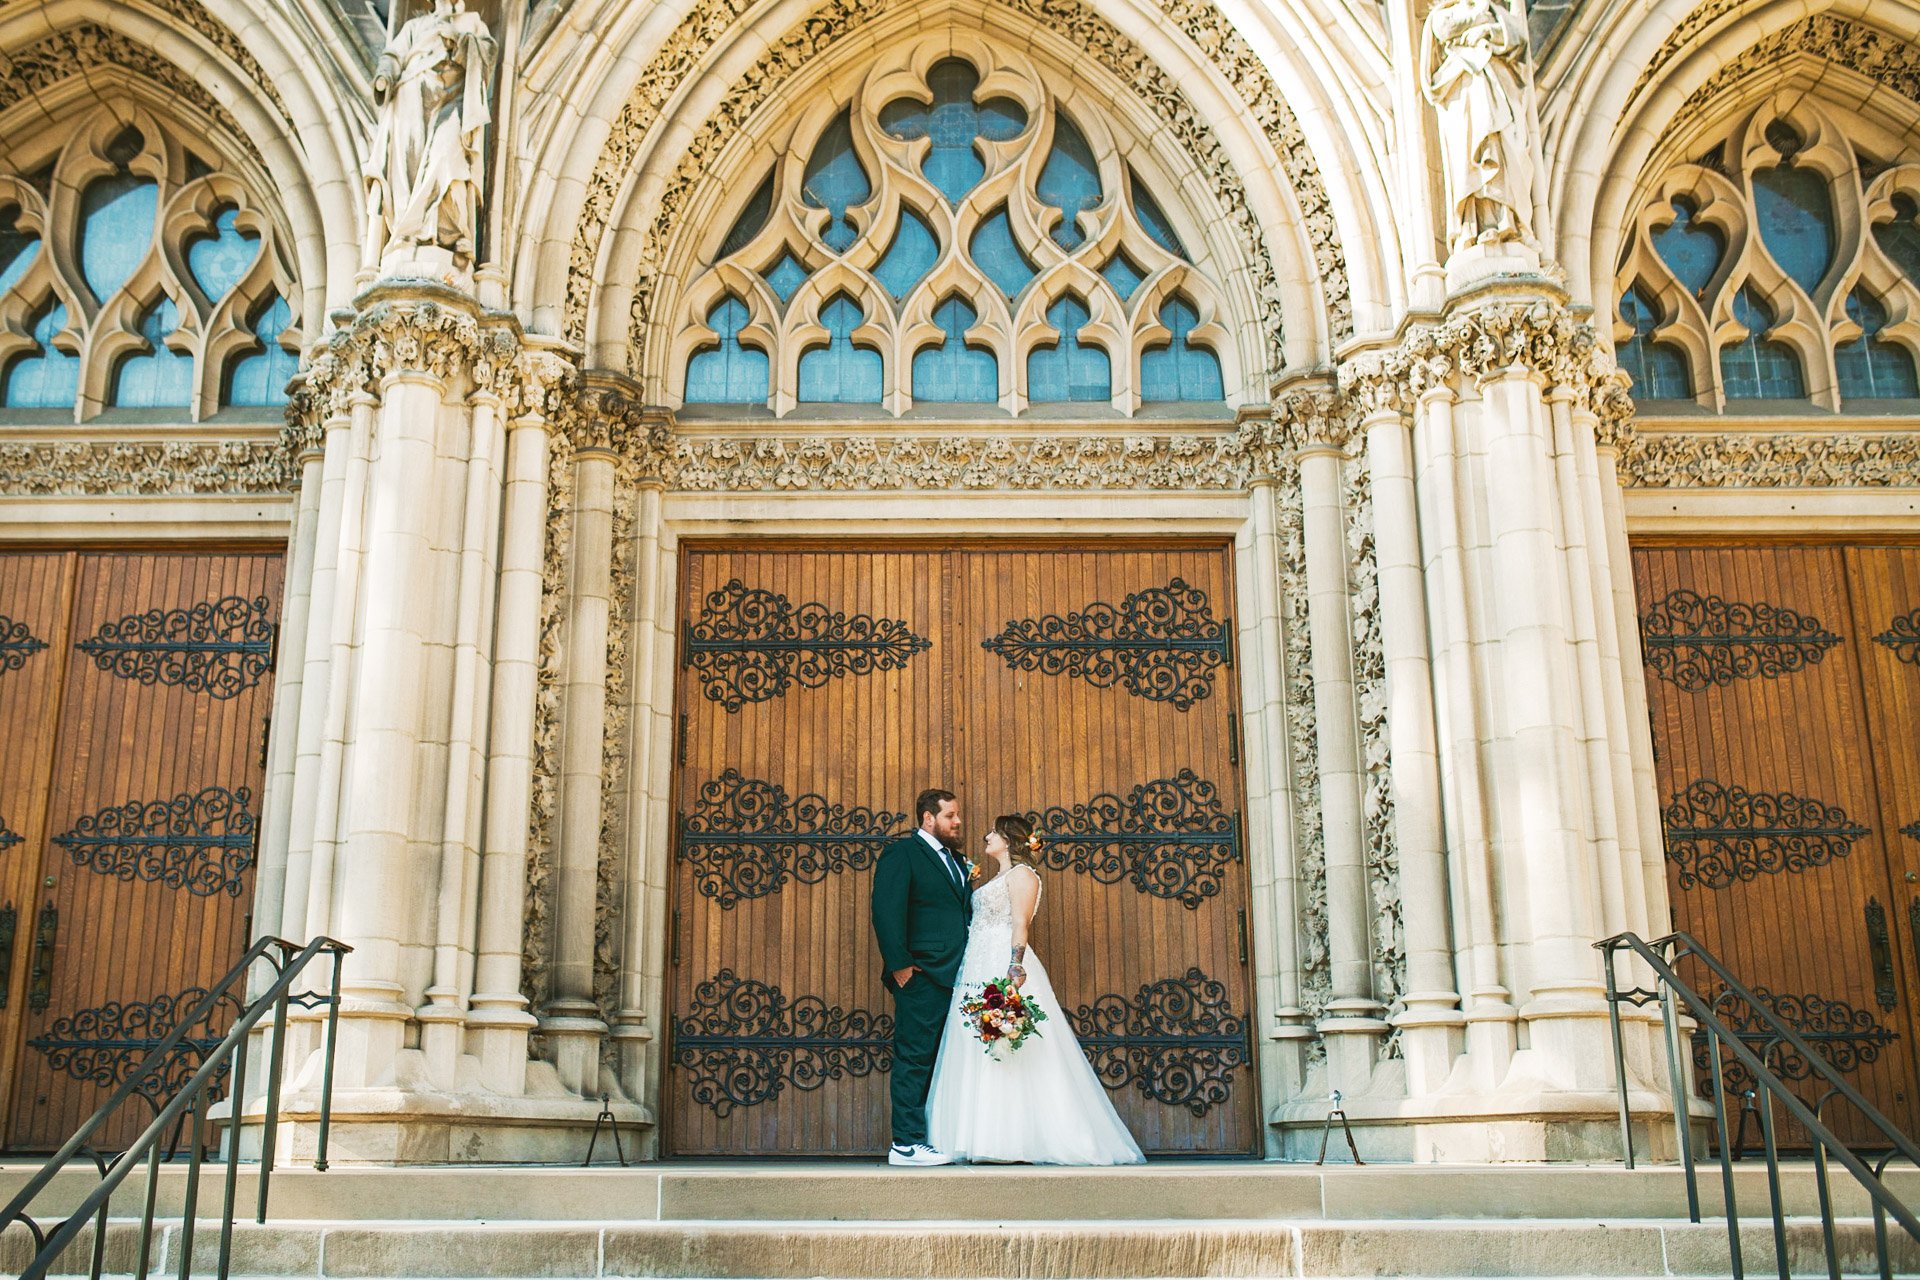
x,y
862,1222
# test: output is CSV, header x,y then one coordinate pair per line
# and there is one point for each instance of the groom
x,y
921,905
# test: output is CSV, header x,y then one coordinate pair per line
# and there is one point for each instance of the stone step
x,y
986,1247
875,1193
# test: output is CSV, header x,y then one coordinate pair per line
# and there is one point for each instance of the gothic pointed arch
x,y
949,169
154,252
1649,84
656,170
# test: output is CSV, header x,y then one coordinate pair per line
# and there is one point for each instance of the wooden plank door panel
x,y
151,814
1121,743
1776,851
781,1024
1885,589
36,597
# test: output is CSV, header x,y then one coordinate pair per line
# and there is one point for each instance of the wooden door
x,y
145,849
1769,769
822,687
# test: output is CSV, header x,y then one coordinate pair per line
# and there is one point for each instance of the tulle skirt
x,y
1041,1104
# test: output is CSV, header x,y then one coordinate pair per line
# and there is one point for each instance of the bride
x,y
1041,1104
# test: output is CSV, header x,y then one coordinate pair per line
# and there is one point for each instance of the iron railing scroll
x,y
187,1108
1763,1039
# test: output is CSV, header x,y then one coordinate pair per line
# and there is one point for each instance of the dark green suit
x,y
920,914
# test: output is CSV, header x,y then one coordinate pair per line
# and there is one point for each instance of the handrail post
x,y
1619,1057
1772,1147
1730,1201
1682,1098
326,1065
276,1064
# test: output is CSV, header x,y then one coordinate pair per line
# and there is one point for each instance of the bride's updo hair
x,y
1022,845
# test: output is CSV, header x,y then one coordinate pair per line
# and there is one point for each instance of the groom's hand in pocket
x,y
900,976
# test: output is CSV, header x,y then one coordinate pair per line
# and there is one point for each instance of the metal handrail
x,y
191,1104
1660,955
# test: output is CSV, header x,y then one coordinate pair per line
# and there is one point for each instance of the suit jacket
x,y
919,914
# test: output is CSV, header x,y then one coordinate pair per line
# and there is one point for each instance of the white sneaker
x,y
918,1154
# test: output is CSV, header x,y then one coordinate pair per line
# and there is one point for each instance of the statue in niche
x,y
1474,69
426,169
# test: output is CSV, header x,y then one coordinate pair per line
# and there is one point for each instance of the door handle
x,y
1880,954
40,978
9,925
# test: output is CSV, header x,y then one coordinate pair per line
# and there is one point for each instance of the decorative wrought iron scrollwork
x,y
1903,637
1846,1037
751,645
1162,644
102,1045
1697,642
17,644
1177,1040
744,1041
221,648
746,837
1717,835
9,837
1170,837
198,841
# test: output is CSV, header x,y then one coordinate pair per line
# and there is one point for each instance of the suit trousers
x,y
919,1017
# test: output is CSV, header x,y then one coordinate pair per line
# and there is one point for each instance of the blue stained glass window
x,y
751,219
1871,369
730,372
953,372
1658,369
840,372
217,261
160,378
953,121
1068,371
18,249
1153,219
835,181
1123,274
116,227
1692,250
48,378
260,377
1795,211
1069,181
1900,237
1179,371
786,276
910,256
1754,368
996,253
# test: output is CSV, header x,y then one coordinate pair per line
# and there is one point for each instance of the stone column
x,y
443,1016
497,1020
1351,1027
570,1018
1430,1020
1492,1021
305,439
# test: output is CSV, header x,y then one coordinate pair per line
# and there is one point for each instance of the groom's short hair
x,y
929,802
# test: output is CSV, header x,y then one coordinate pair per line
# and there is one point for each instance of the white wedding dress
x,y
1042,1104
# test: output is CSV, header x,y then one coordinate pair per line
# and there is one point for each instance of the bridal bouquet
x,y
1001,1018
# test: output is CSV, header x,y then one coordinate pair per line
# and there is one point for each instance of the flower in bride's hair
x,y
1033,844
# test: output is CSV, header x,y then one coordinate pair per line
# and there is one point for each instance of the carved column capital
x,y
1311,419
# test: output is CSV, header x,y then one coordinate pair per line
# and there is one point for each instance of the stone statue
x,y
426,170
1474,69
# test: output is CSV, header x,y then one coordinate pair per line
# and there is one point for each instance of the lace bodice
x,y
993,901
